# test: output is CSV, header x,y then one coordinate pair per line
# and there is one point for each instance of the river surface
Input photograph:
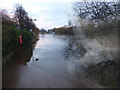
x,y
44,66
47,67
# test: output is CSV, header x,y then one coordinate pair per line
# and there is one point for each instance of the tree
x,y
24,21
5,16
29,24
95,11
21,14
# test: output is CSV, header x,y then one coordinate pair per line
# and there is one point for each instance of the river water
x,y
46,67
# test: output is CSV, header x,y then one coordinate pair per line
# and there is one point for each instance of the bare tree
x,y
95,11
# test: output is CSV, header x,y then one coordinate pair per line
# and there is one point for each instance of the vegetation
x,y
22,17
63,30
98,18
96,33
13,27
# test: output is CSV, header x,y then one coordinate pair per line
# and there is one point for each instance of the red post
x,y
20,39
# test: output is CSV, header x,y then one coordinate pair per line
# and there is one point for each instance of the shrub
x,y
10,39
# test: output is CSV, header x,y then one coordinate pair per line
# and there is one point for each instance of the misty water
x,y
46,67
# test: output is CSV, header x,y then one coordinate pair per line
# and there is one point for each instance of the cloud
x,y
49,13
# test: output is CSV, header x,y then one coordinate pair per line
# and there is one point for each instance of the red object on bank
x,y
20,39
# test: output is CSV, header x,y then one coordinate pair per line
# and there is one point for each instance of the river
x,y
45,67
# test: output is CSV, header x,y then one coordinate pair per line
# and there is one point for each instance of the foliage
x,y
98,18
6,19
103,29
95,11
24,21
64,30
99,21
9,39
11,31
36,32
27,37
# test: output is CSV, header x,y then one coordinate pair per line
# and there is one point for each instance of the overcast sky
x,y
49,13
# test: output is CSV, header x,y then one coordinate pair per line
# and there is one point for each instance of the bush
x,y
27,37
10,39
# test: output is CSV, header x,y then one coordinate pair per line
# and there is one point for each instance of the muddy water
x,y
47,67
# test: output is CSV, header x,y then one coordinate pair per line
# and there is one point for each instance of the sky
x,y
49,13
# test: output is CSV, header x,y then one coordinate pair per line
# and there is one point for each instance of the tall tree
x,y
21,14
24,21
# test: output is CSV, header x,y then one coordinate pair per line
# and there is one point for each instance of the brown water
x,y
50,71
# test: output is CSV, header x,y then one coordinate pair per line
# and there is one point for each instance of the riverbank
x,y
95,57
10,40
20,55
